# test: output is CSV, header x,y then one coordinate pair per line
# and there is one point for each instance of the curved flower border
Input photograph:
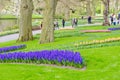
x,y
58,57
97,41
113,29
11,48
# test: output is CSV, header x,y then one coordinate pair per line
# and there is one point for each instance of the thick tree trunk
x,y
116,7
106,13
93,7
25,28
67,13
102,7
47,34
88,8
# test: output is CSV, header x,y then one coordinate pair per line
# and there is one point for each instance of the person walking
x,y
111,19
82,17
63,23
114,19
73,22
56,25
76,21
89,19
119,18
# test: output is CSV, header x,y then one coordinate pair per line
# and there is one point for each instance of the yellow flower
x,y
80,43
76,44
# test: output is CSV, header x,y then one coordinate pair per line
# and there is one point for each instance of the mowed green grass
x,y
102,63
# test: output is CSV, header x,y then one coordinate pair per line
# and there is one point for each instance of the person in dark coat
x,y
76,21
82,17
111,19
119,18
63,23
89,19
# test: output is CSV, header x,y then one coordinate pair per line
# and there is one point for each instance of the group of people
x,y
115,20
74,22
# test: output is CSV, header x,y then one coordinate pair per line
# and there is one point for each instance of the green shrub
x,y
8,16
8,32
36,23
37,16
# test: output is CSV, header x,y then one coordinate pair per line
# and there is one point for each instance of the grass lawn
x,y
103,63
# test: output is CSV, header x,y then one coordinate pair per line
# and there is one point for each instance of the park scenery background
x,y
59,40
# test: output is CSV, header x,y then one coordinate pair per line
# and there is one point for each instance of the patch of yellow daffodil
x,y
97,41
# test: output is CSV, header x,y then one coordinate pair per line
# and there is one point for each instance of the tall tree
x,y
106,12
102,7
116,6
25,28
3,3
93,5
47,34
88,8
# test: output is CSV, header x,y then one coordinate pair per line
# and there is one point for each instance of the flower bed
x,y
97,41
113,29
58,57
11,48
97,46
91,31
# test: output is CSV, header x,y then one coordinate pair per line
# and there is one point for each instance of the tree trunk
x,y
106,13
25,28
93,7
67,13
102,8
88,8
47,34
116,7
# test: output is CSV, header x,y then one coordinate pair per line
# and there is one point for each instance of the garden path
x,y
15,36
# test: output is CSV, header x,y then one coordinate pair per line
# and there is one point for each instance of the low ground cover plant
x,y
11,48
113,29
58,57
96,46
8,32
97,41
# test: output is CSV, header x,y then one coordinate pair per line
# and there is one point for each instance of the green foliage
x,y
36,23
8,32
102,62
10,28
37,16
8,16
98,9
59,16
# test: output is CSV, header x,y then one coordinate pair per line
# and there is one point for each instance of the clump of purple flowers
x,y
57,57
11,48
112,29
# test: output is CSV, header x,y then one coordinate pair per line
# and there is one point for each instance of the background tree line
x,y
49,8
